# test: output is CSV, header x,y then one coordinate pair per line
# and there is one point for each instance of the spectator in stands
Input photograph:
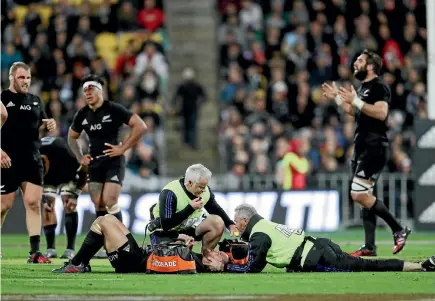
x,y
150,17
188,98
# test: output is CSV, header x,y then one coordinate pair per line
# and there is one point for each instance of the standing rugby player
x,y
63,175
370,107
102,120
21,165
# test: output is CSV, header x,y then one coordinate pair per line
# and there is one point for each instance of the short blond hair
x,y
17,65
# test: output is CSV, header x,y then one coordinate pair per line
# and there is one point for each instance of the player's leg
x,y
9,186
71,223
334,259
32,196
105,230
111,192
7,202
369,221
365,177
112,188
49,219
96,193
211,230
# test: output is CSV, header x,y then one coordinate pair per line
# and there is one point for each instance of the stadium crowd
x,y
274,55
122,41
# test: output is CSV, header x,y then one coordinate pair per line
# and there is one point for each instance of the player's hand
x,y
114,150
189,241
196,203
6,162
330,92
50,124
347,95
47,207
234,231
86,160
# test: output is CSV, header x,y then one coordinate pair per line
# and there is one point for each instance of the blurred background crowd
x,y
274,55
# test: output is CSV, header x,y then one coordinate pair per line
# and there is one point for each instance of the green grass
x,y
21,278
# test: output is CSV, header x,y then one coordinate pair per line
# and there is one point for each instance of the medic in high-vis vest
x,y
188,206
282,247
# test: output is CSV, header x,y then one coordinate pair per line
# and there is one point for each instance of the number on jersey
x,y
287,232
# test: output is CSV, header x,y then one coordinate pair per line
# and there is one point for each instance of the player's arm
x,y
378,110
168,207
259,245
138,127
74,144
4,114
213,207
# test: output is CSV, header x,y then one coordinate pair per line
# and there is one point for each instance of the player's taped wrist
x,y
338,100
357,102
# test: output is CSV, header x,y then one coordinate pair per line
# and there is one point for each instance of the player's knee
x,y
6,206
70,205
217,223
360,189
32,203
113,209
109,218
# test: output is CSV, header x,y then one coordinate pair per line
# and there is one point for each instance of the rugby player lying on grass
x,y
122,249
286,248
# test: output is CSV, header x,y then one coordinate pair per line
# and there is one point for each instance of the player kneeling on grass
x,y
122,249
64,175
286,248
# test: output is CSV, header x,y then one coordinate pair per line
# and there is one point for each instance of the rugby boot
x,y
400,238
68,254
100,254
364,251
38,258
51,253
69,268
429,265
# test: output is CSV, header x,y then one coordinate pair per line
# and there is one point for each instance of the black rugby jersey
x,y
101,125
20,133
63,164
369,130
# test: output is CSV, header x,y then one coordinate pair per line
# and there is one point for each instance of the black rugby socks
x,y
369,223
382,211
71,222
49,232
101,213
34,243
92,243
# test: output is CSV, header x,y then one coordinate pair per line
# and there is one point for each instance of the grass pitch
x,y
19,279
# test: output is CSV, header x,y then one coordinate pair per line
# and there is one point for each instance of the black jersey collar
x,y
252,222
189,194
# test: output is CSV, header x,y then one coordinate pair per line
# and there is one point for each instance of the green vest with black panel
x,y
285,241
183,200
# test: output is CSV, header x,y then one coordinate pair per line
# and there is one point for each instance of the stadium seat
x,y
107,41
20,12
45,12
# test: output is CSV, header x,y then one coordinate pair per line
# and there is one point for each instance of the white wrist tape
x,y
358,103
338,100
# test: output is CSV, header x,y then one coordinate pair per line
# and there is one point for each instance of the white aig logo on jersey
x,y
25,107
95,127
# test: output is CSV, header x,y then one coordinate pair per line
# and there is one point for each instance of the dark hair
x,y
92,77
374,59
